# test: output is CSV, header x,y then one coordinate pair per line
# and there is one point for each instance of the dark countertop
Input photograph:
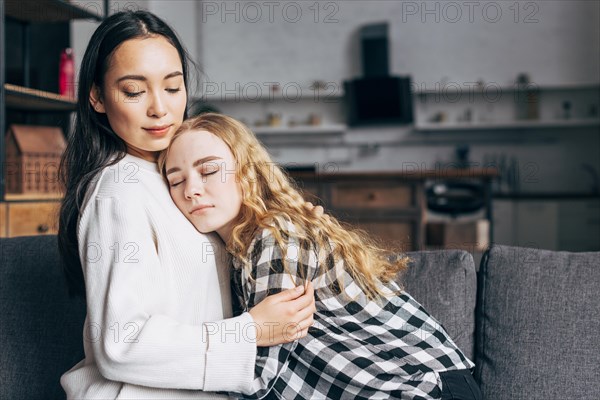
x,y
547,196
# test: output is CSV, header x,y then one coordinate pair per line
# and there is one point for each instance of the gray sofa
x,y
530,319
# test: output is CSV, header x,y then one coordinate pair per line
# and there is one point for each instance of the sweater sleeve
x,y
268,276
131,341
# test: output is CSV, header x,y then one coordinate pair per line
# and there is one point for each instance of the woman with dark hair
x,y
157,292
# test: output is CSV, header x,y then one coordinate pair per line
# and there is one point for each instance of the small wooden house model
x,y
32,158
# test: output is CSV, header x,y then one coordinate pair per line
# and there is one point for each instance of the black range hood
x,y
377,98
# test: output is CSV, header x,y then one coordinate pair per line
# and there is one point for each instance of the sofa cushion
x,y
445,283
40,326
538,324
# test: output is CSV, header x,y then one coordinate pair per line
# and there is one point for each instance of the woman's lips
x,y
158,130
200,209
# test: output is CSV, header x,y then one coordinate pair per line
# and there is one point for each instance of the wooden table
x,y
389,205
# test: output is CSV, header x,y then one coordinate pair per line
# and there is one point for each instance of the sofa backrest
x,y
41,328
445,283
538,318
538,324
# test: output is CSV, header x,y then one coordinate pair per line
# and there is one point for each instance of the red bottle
x,y
66,74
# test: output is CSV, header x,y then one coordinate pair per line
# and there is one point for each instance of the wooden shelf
x,y
18,197
50,10
491,87
510,125
22,98
299,130
294,95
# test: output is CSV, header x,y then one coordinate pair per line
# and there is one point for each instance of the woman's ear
x,y
96,100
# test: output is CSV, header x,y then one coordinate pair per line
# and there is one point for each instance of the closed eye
x,y
174,184
132,94
173,90
208,168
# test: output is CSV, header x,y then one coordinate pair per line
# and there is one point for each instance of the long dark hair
x,y
93,145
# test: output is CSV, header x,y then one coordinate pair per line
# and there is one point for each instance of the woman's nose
x,y
193,188
157,107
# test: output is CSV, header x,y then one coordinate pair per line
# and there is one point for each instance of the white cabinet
x,y
579,222
504,222
526,223
537,224
551,224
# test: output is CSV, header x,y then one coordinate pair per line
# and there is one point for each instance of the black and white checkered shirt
x,y
359,349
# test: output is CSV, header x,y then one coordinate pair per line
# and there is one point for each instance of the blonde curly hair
x,y
269,195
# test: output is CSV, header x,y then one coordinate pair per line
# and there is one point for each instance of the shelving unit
x,y
25,99
441,98
302,129
501,108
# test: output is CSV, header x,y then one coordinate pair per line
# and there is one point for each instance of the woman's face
x,y
144,95
202,180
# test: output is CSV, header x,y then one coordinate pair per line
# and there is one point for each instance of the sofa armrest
x,y
41,327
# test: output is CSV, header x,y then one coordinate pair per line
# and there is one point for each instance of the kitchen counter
x,y
547,196
390,205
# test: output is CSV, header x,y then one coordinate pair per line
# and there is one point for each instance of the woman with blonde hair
x,y
369,339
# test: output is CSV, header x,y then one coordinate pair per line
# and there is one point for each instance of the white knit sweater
x,y
157,295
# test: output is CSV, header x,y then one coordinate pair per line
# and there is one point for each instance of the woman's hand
x,y
285,316
316,210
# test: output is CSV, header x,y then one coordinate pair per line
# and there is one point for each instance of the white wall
x,y
554,41
82,30
181,15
